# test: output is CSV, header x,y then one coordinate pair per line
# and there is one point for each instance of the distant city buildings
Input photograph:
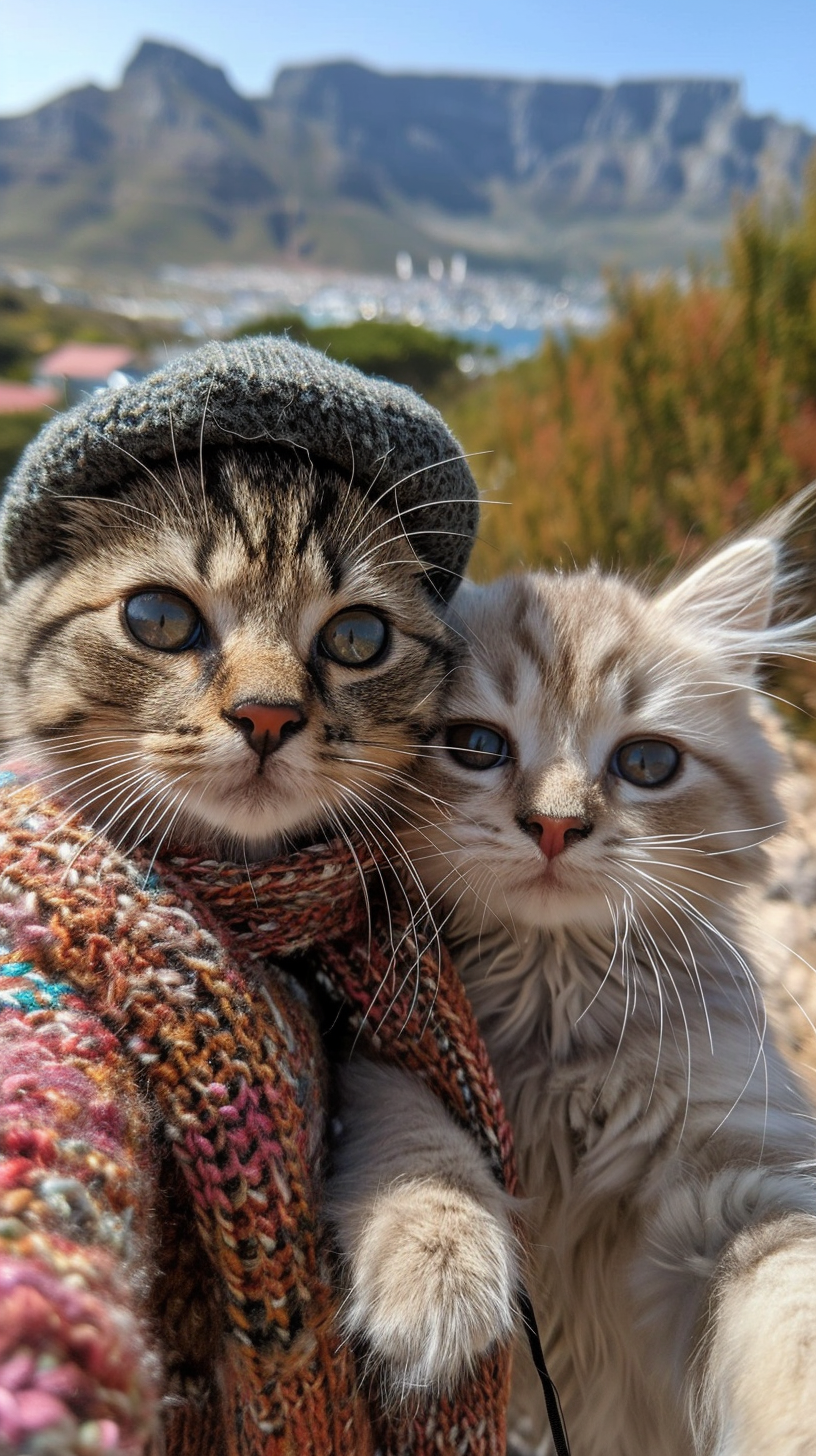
x,y
510,312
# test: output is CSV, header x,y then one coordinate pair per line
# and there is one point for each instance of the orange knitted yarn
x,y
164,1273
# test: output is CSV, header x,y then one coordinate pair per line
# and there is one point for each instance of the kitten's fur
x,y
268,547
665,1151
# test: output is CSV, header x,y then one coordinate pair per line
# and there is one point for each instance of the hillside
x,y
344,166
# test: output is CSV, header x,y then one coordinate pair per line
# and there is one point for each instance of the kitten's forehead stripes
x,y
543,632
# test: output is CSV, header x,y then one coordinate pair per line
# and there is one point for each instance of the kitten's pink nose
x,y
556,835
265,725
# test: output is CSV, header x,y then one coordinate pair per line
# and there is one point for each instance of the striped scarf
x,y
165,1277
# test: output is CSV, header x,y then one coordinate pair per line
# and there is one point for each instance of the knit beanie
x,y
262,391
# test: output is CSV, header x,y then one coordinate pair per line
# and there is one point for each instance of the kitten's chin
x,y
266,832
230,848
553,908
547,907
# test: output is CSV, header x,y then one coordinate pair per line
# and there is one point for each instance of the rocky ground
x,y
784,917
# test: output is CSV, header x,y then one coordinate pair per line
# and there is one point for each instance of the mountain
x,y
344,165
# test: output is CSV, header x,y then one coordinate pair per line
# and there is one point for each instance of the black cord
x,y
554,1412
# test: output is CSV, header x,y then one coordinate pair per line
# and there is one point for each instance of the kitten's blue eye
x,y
164,620
647,763
476,746
355,637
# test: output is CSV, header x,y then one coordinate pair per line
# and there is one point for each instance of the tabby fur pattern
x,y
666,1151
268,547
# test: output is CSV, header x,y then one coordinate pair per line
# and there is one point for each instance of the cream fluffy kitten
x,y
595,804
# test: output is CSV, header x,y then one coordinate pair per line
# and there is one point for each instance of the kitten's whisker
x,y
248,875
102,503
349,809
431,504
392,487
727,951
665,840
738,686
80,744
369,557
77,806
182,482
93,766
692,958
368,812
141,464
403,861
350,444
392,776
608,971
761,1031
201,454
435,689
333,818
62,826
155,790
627,994
143,821
648,940
437,852
437,465
413,928
368,502
397,777
687,869
166,835
661,1004
103,830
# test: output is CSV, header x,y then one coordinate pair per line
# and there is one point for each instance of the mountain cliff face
x,y
450,140
345,165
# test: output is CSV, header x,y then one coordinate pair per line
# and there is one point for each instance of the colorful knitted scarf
x,y
165,1279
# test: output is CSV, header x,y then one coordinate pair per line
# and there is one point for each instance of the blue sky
x,y
51,45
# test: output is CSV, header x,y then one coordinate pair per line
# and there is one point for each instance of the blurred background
x,y
589,237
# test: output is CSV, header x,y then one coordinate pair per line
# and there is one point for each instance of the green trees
x,y
399,351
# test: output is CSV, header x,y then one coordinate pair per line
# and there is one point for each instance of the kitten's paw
x,y
432,1281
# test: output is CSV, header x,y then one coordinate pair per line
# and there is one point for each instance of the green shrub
x,y
399,351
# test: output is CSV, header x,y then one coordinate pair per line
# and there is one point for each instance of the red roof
x,y
21,399
84,361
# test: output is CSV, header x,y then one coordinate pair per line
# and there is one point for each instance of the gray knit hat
x,y
260,391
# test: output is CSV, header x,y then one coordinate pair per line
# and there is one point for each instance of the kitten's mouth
x,y
548,876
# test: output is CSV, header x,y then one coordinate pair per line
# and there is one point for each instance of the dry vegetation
x,y
693,411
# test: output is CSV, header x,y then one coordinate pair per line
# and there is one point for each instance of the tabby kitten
x,y
140,668
585,822
239,653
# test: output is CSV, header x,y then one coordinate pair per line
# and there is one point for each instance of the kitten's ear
x,y
732,592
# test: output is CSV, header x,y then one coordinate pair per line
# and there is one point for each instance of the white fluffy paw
x,y
432,1285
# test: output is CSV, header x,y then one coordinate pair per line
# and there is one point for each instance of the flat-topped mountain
x,y
345,165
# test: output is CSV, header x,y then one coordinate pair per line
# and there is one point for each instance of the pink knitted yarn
x,y
165,1278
